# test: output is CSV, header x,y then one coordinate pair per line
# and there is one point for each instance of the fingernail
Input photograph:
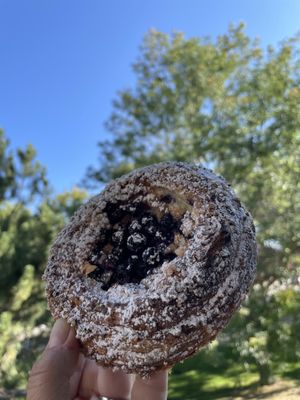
x,y
59,333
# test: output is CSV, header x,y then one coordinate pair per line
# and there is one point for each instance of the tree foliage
x,y
22,178
233,106
29,221
227,103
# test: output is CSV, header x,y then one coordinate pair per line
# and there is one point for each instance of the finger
x,y
50,375
76,377
88,383
71,341
115,384
153,388
72,344
59,333
97,380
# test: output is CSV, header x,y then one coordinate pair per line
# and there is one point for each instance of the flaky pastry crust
x,y
141,327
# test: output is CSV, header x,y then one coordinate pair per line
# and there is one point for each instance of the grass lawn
x,y
199,379
218,388
195,384
232,383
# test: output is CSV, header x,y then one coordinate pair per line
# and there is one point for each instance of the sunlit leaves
x,y
234,106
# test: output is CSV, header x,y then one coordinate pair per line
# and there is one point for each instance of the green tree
x,y
22,178
22,183
30,218
235,107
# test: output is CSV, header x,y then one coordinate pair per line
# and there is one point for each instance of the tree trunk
x,y
265,374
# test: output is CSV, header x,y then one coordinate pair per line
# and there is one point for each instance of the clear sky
x,y
63,61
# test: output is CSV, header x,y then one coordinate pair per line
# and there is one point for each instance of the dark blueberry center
x,y
136,243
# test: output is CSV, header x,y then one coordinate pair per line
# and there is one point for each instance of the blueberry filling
x,y
136,243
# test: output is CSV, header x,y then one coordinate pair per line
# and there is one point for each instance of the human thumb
x,y
50,376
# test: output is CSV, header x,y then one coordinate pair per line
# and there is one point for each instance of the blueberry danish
x,y
153,268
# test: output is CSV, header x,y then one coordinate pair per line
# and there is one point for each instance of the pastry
x,y
153,268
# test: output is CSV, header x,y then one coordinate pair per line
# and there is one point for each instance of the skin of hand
x,y
63,373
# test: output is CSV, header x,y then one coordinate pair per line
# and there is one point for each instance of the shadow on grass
x,y
229,384
293,374
245,392
193,391
260,396
193,385
197,379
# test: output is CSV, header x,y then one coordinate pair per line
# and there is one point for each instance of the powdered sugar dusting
x,y
183,304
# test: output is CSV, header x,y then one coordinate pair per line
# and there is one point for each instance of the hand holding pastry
x,y
63,373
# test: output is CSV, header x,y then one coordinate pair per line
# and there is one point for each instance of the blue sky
x,y
63,61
